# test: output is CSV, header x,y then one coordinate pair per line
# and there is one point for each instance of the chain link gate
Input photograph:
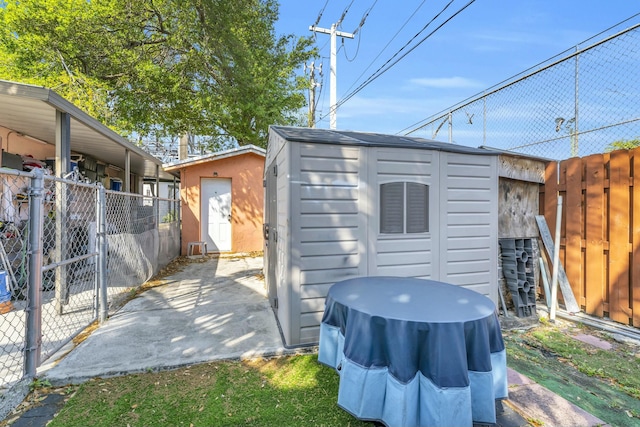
x,y
89,248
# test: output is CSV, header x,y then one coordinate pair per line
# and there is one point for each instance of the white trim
x,y
216,156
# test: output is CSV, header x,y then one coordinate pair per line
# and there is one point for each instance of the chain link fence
x,y
70,253
577,105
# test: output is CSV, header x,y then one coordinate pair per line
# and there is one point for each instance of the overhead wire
x,y
420,124
344,13
357,49
386,66
364,17
371,78
322,95
321,13
322,78
387,45
356,32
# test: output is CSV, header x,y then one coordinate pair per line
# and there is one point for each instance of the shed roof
x,y
245,149
31,111
340,137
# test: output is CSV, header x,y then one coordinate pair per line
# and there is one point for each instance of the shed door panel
x,y
405,189
469,222
216,213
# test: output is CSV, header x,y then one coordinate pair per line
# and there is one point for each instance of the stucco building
x,y
222,199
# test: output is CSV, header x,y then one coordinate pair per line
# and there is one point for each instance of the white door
x,y
216,213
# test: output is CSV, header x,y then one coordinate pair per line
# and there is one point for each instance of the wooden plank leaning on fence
x,y
567,294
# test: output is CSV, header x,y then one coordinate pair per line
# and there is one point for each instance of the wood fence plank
x,y
635,247
618,217
567,294
594,235
573,214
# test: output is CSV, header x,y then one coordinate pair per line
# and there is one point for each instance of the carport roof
x,y
31,111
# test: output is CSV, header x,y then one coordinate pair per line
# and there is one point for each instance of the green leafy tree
x,y
163,67
623,144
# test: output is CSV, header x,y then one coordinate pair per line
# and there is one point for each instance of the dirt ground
x,y
592,368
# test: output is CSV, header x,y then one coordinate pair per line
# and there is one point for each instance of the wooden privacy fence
x,y
600,237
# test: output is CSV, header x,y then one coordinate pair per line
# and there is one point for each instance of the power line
x,y
386,66
322,95
379,70
357,49
362,22
387,45
364,17
418,125
344,13
320,13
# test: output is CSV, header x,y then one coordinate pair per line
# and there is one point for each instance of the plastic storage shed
x,y
342,204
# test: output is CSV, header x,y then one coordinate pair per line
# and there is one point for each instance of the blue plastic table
x,y
414,352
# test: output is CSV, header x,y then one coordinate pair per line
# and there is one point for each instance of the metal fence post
x,y
101,227
34,302
156,199
576,100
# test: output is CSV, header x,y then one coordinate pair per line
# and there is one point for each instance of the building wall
x,y
14,143
247,199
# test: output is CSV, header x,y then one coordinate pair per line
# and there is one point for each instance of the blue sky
x,y
488,42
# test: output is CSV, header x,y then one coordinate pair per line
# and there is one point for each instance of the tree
x,y
161,67
623,144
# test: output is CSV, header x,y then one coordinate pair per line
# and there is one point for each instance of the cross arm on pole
x,y
328,31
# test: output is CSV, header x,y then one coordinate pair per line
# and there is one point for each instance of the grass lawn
x,y
284,391
299,391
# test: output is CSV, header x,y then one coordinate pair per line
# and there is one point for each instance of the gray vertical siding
x,y
469,238
330,231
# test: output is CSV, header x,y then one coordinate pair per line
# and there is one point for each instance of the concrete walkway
x,y
218,309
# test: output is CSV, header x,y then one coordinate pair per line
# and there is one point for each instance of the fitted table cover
x,y
414,352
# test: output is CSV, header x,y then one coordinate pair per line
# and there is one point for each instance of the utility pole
x,y
312,92
333,32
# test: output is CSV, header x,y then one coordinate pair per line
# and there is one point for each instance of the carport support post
x,y
34,308
63,164
127,171
103,310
